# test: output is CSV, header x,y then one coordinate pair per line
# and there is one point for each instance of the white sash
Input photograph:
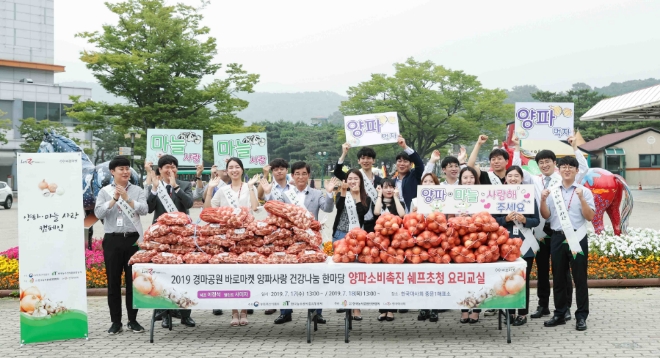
x,y
351,211
369,187
494,180
276,193
229,195
293,197
127,211
572,237
165,198
538,231
529,242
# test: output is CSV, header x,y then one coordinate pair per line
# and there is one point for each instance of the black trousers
x,y
562,261
528,271
369,225
543,274
117,250
386,311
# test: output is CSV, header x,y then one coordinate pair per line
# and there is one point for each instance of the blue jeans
x,y
338,235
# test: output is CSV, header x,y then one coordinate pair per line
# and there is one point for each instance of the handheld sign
x,y
250,148
371,129
186,145
472,199
544,121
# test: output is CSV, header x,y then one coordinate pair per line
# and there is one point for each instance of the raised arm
x,y
584,166
430,166
339,172
472,161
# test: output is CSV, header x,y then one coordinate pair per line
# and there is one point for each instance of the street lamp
x,y
322,157
132,135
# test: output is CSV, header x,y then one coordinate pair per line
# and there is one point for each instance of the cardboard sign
x,y
544,121
371,129
185,145
250,148
472,199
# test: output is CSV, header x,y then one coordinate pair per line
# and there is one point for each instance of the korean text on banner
x,y
51,247
371,129
329,285
472,199
544,121
250,148
186,145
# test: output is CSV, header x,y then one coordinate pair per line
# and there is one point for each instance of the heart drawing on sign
x,y
487,206
483,200
527,196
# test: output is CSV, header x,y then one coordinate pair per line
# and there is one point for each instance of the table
x,y
329,285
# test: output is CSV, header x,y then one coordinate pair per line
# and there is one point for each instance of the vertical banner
x,y
185,145
544,120
250,148
51,248
371,129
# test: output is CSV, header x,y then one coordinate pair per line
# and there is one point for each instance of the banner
x,y
186,145
371,129
51,247
329,285
544,121
472,199
250,148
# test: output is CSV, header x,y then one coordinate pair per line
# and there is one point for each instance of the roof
x,y
640,105
614,138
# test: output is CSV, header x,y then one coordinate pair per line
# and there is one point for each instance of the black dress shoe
x,y
159,315
250,311
567,316
390,319
382,317
269,312
188,322
581,324
554,321
519,321
217,312
423,315
341,310
540,312
319,319
403,311
433,317
464,320
166,321
283,318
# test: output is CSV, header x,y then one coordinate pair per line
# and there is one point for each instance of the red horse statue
x,y
608,190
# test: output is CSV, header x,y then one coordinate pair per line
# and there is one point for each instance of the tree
x,y
155,58
436,106
5,125
521,94
32,131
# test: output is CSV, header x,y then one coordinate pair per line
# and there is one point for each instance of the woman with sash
x,y
388,202
520,226
235,195
352,205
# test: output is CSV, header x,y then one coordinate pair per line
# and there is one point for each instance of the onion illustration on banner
x,y
147,285
35,304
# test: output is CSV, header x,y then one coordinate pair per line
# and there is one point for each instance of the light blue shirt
x,y
277,187
574,206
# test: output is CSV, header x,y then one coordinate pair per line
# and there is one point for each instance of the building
x,y
27,74
635,155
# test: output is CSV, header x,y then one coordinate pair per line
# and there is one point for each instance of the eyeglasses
x,y
303,174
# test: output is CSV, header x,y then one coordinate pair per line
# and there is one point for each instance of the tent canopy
x,y
640,105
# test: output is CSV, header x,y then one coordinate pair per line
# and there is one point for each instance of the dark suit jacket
x,y
183,200
339,173
412,180
359,207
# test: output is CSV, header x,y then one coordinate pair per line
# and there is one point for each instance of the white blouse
x,y
219,198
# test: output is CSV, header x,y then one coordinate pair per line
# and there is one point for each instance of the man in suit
x,y
408,178
180,193
366,158
302,195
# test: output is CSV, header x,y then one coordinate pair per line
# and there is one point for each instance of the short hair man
x,y
366,158
499,158
568,207
180,194
408,178
120,205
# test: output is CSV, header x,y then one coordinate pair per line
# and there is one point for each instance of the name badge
x,y
120,221
516,231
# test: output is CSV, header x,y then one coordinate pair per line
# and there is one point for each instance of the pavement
x,y
621,324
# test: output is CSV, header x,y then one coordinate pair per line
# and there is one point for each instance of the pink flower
x,y
11,253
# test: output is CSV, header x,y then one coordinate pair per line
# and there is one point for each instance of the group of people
x,y
563,207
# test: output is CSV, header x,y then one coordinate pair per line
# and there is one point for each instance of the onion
x,y
33,291
43,185
142,285
514,285
52,187
29,303
156,289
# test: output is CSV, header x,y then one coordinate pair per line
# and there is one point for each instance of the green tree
x,y
32,131
436,106
5,125
155,58
521,94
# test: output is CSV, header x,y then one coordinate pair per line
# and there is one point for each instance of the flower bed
x,y
632,256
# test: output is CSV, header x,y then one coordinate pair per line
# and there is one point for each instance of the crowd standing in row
x,y
563,208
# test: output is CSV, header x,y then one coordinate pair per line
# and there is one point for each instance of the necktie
x,y
169,189
547,181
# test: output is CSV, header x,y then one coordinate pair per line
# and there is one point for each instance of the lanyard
x,y
570,201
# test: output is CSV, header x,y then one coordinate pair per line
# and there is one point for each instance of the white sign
x,y
472,199
544,121
354,285
250,148
371,129
51,247
185,145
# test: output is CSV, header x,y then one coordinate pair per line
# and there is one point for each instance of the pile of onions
x,y
415,223
387,224
348,248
